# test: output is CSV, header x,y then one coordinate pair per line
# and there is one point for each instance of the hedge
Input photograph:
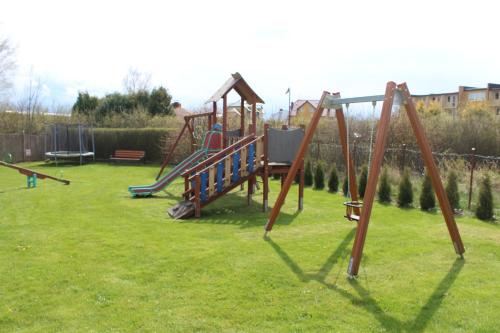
x,y
151,140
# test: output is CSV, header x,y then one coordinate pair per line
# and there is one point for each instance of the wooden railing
x,y
217,156
223,171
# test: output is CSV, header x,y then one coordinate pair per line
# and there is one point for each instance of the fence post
x,y
403,157
472,166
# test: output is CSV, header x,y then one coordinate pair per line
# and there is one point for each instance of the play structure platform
x,y
32,175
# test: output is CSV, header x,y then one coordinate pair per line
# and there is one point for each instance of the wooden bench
x,y
128,155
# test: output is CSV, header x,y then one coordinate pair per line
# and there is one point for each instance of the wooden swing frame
x,y
333,101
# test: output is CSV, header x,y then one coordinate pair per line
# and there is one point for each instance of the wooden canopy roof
x,y
239,85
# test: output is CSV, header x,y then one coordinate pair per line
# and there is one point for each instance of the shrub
x,y
452,190
484,210
427,198
319,177
363,179
345,186
405,194
308,174
333,180
384,188
276,176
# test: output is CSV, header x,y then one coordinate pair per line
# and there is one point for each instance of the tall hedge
x,y
427,197
345,186
363,180
333,180
384,188
484,210
405,194
107,140
319,177
308,174
452,190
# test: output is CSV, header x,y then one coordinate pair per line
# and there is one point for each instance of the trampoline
x,y
69,142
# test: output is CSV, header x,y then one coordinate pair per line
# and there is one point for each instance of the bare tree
x,y
136,81
7,65
30,104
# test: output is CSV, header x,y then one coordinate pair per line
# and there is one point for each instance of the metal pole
x,y
472,166
93,140
80,142
289,105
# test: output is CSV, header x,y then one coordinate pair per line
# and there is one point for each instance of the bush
x,y
308,174
384,188
363,179
452,190
333,180
319,177
345,187
276,176
484,210
427,198
405,194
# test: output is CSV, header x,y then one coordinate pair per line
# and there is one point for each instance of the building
x,y
302,107
452,101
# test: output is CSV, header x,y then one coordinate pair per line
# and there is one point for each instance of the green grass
x,y
88,258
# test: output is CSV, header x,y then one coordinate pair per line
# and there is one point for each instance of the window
x,y
498,112
497,95
449,99
433,98
477,96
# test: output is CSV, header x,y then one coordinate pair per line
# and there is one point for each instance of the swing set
x,y
394,97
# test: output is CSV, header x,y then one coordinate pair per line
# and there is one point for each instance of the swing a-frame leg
x,y
376,164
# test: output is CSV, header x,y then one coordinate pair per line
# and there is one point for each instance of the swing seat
x,y
349,208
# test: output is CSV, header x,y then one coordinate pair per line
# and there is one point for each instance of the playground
x,y
87,257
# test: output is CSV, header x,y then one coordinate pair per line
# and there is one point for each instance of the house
x,y
452,101
179,111
235,108
303,107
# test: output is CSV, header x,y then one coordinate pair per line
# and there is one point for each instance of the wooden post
x,y
254,118
197,196
296,163
172,149
214,113
432,171
242,117
472,167
371,187
403,158
224,121
186,187
301,186
353,187
265,172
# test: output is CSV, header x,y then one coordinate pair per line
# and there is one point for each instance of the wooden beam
x,y
242,117
214,113
349,163
171,152
224,120
432,170
371,187
254,118
296,163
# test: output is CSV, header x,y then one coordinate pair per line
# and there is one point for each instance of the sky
x,y
191,47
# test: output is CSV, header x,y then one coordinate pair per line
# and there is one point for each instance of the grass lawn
x,y
87,257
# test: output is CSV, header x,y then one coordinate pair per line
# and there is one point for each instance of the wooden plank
x,y
227,171
244,167
211,181
258,152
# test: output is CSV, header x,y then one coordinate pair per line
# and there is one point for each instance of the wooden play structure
x,y
395,96
250,157
241,87
32,176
